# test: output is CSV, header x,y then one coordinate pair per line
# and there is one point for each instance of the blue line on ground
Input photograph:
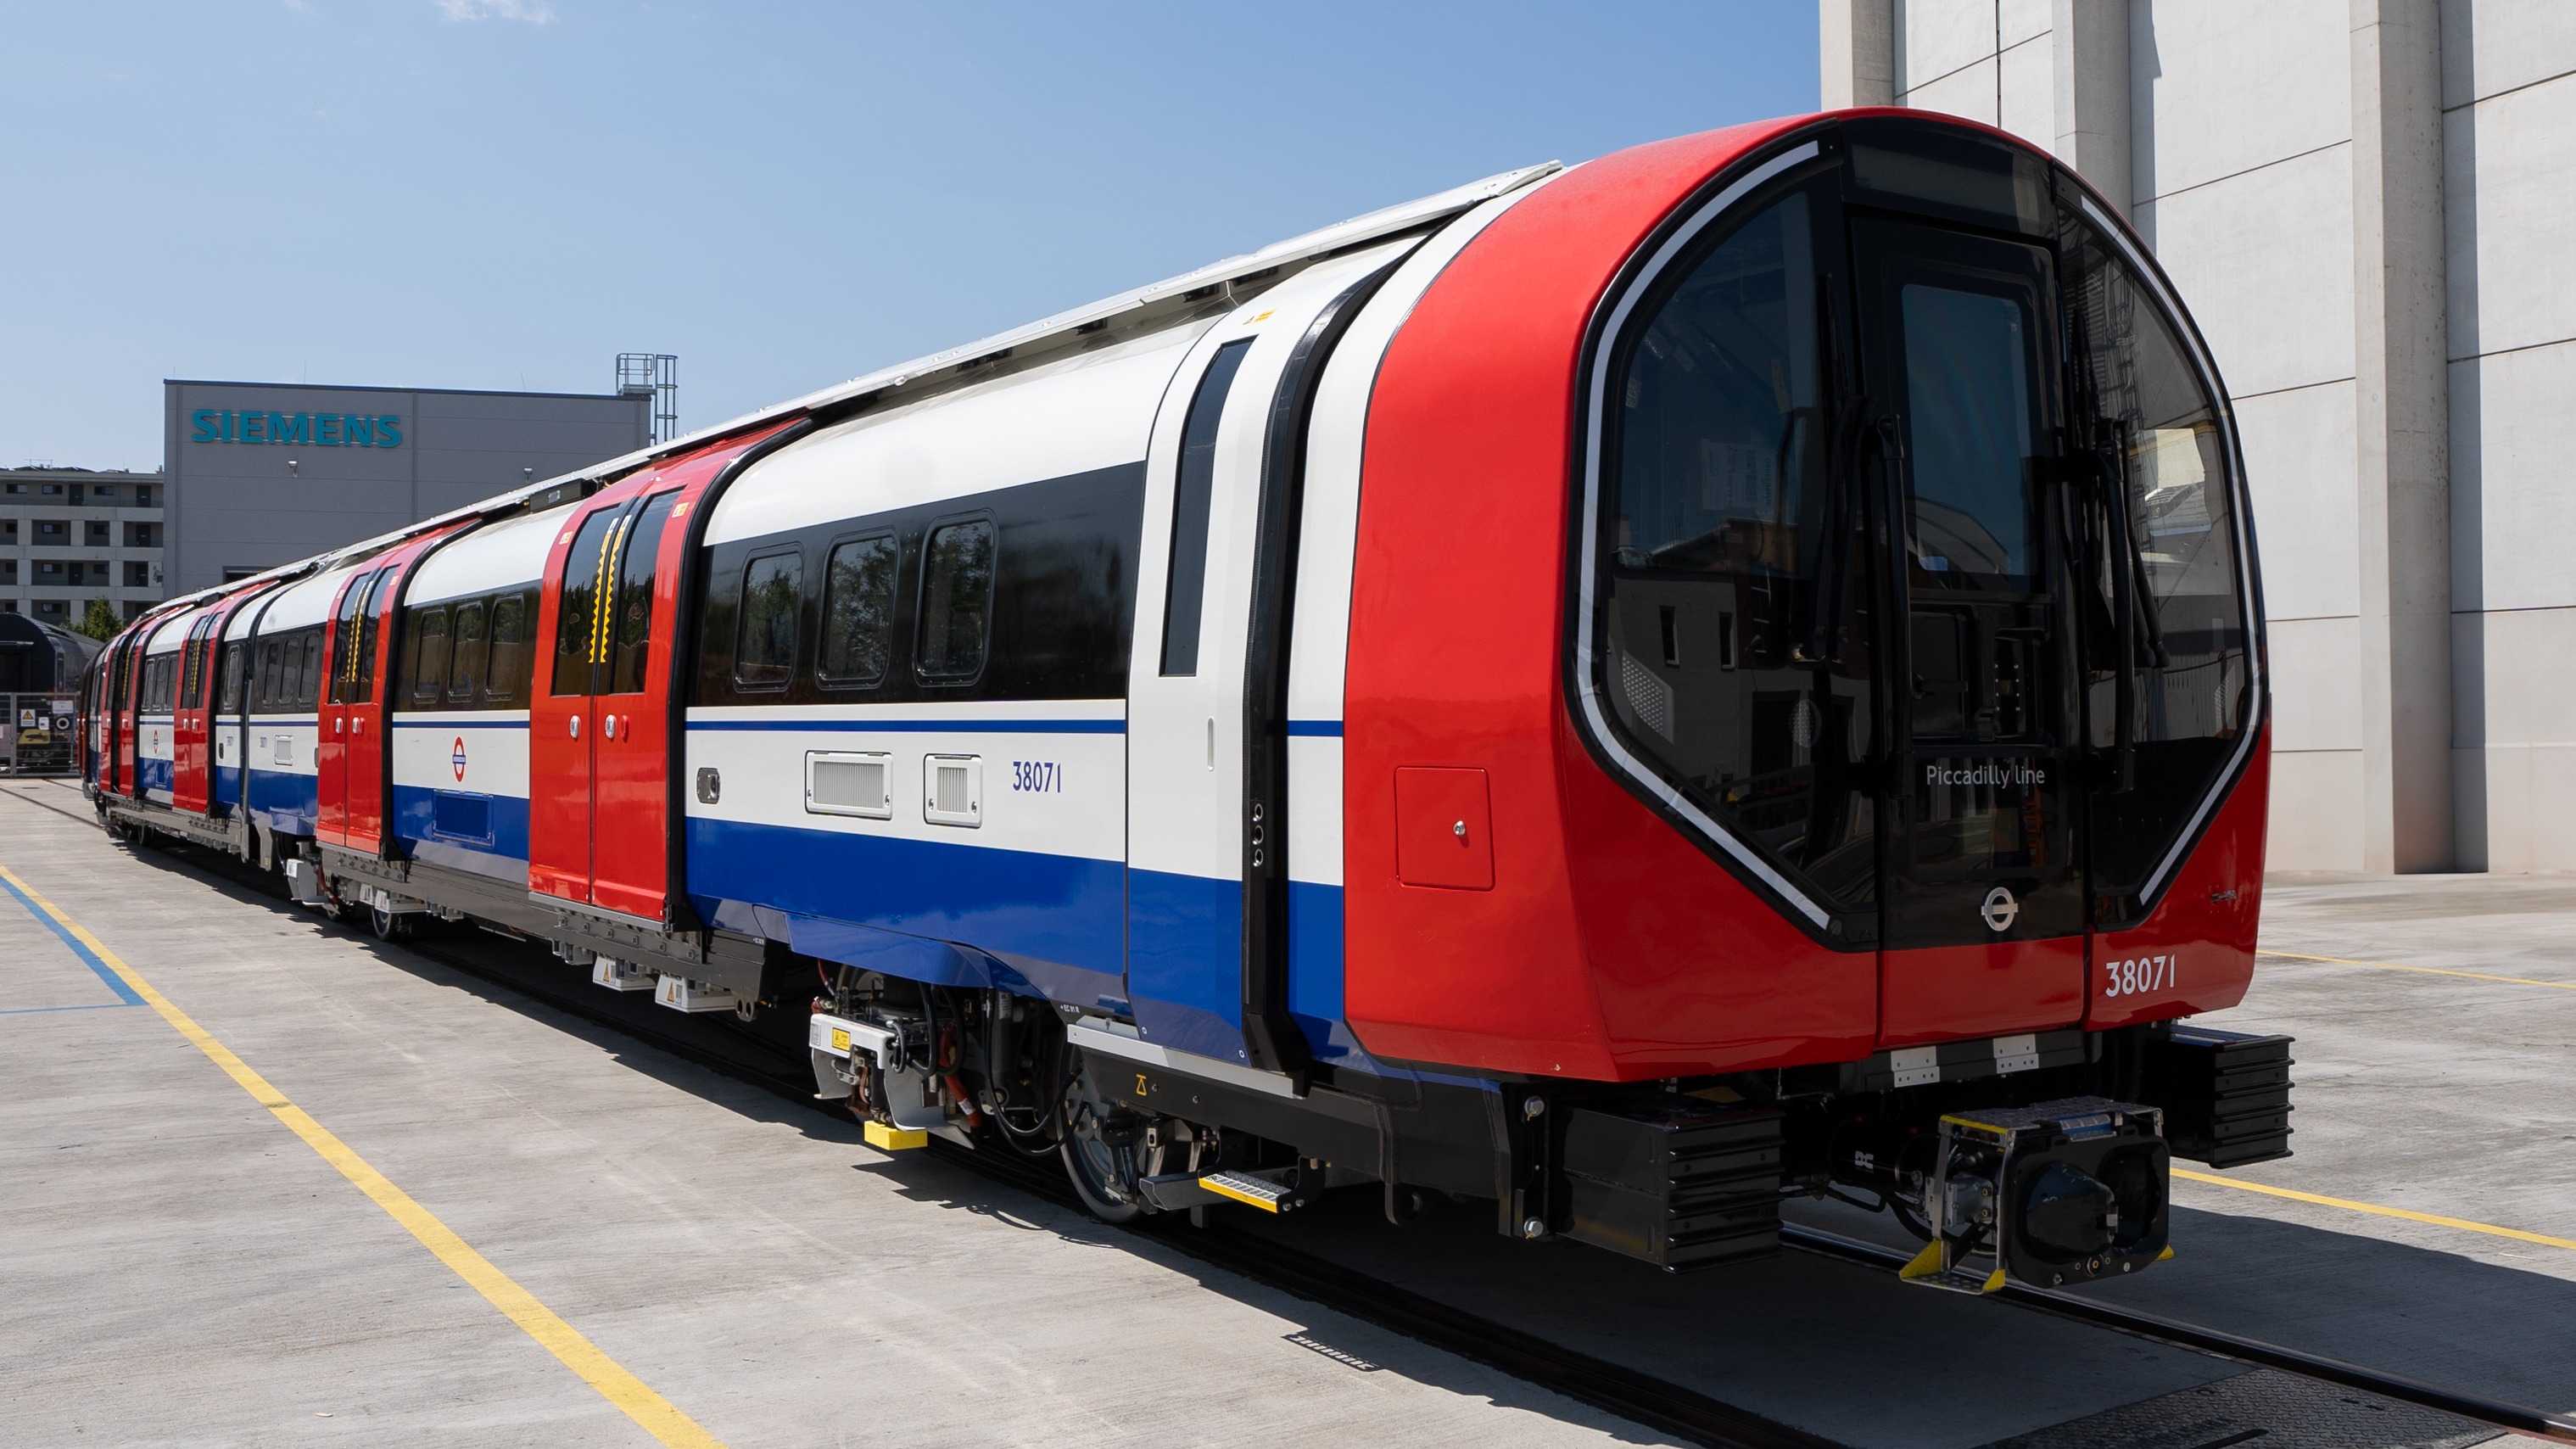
x,y
91,1006
124,994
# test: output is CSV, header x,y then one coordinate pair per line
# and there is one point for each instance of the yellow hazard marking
x,y
840,1039
1994,1282
1926,1263
2427,970
1226,1189
894,1139
2376,1210
658,1416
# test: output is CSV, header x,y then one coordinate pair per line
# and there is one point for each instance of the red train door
x,y
600,746
188,721
126,705
351,640
562,728
368,769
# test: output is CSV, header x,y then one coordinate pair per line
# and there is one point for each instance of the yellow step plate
x,y
895,1139
1253,1191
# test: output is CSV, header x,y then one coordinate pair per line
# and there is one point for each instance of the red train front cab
x,y
1649,472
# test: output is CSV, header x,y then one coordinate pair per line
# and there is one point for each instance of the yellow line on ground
x,y
659,1416
2427,970
2376,1210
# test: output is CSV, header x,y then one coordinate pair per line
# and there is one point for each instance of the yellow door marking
x,y
658,1416
2427,970
2376,1210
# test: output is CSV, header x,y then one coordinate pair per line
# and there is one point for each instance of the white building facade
x,y
2366,204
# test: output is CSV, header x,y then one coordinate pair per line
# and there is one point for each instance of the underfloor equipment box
x,y
2226,1095
1677,1181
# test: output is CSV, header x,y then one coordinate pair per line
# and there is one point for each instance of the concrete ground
x,y
176,1267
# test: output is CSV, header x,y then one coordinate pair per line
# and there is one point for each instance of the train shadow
x,y
1829,1347
521,977
2480,1327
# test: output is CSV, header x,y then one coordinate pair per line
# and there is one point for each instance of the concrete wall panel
x,y
2029,101
2520,690
1968,92
1937,37
2510,206
2524,810
2316,811
2298,465
2316,684
2513,513
2020,20
2264,261
2496,45
2219,91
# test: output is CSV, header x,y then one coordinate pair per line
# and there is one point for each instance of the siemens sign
x,y
311,430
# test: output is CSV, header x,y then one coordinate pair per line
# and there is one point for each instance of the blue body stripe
x,y
1331,727
1185,961
284,801
1056,910
501,850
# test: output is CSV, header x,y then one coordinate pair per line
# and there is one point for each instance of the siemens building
x,y
259,474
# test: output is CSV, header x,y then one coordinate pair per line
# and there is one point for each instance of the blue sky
x,y
507,193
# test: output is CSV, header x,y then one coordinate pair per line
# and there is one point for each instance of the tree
x,y
99,621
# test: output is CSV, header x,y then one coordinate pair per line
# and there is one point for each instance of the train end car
x,y
1620,695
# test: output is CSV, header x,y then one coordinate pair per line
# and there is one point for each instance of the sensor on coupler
x,y
2060,1192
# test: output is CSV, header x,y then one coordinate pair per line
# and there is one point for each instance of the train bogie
x,y
1620,693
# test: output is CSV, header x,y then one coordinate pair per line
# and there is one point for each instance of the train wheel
x,y
1100,1147
388,925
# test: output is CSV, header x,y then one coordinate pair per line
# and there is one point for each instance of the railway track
x,y
1629,1393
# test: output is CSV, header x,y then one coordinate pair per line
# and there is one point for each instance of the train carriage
x,y
1620,693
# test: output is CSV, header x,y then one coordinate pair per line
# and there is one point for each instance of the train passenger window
x,y
631,644
956,601
431,647
1185,598
513,666
305,668
228,691
764,651
466,653
263,696
858,612
578,616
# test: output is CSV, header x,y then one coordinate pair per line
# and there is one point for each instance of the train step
x,y
1273,1190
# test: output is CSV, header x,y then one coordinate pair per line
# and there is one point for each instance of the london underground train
x,y
1619,694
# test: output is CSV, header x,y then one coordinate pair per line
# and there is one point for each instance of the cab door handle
x,y
576,726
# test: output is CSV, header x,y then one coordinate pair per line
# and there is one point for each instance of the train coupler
x,y
2055,1193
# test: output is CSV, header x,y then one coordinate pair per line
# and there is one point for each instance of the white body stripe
x,y
306,601
1185,732
495,747
507,554
763,770
299,736
1088,411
